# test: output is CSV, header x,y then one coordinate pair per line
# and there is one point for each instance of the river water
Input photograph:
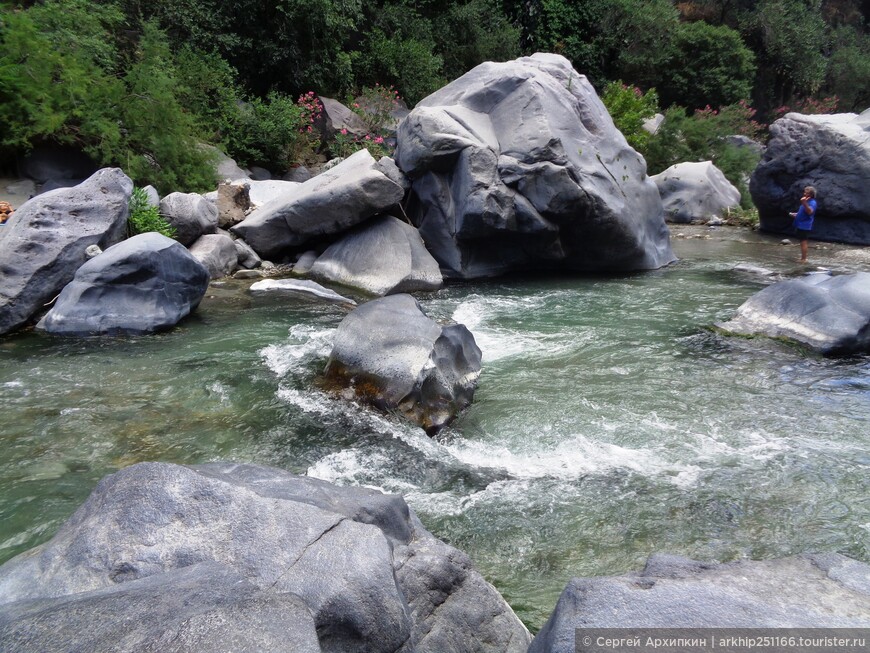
x,y
610,423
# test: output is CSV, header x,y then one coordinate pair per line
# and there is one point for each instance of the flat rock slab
x,y
381,257
298,288
142,285
390,354
830,152
46,241
518,166
332,202
367,575
806,591
828,314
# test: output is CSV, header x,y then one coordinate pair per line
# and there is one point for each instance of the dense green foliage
x,y
145,217
142,84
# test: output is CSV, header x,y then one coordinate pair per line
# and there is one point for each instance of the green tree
x,y
630,107
848,70
706,66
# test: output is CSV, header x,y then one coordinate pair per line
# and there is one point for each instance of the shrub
x,y
345,144
629,107
145,217
703,137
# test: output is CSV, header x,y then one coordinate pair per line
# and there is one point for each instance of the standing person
x,y
803,219
6,212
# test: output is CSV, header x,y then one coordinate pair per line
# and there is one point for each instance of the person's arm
x,y
807,206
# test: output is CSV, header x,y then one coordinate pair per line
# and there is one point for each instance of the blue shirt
x,y
804,220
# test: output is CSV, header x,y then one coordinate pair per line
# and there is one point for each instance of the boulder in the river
x,y
332,202
218,253
247,256
369,576
298,288
829,152
190,214
806,591
695,192
383,256
518,166
830,314
144,284
203,608
233,201
46,242
393,356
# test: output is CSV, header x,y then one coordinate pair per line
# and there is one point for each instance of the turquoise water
x,y
609,422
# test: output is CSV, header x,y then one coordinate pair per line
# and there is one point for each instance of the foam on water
x,y
305,344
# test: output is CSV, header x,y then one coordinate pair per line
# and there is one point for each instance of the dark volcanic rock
x,y
828,314
204,608
808,591
332,202
144,284
383,256
44,245
371,577
395,357
830,152
191,214
518,165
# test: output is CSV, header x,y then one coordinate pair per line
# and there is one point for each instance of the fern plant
x,y
145,217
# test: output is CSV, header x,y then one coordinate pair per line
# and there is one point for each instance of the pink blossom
x,y
344,132
379,140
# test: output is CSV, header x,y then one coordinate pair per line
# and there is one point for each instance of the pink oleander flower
x,y
379,140
344,132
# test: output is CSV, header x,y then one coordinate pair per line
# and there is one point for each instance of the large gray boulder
x,y
218,253
204,608
332,202
263,192
695,192
518,165
390,354
45,243
806,591
382,257
336,116
145,284
830,152
191,214
828,314
371,577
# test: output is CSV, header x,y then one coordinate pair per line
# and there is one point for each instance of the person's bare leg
x,y
804,251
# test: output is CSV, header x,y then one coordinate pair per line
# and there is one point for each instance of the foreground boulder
x,y
806,591
255,545
382,257
830,152
695,192
829,314
46,242
333,201
390,354
518,165
145,284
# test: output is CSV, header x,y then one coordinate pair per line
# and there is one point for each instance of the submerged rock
x,y
807,591
518,165
382,257
830,152
145,284
390,354
829,314
299,288
249,545
47,241
695,192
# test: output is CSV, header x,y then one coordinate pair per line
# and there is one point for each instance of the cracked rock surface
x,y
518,166
369,576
